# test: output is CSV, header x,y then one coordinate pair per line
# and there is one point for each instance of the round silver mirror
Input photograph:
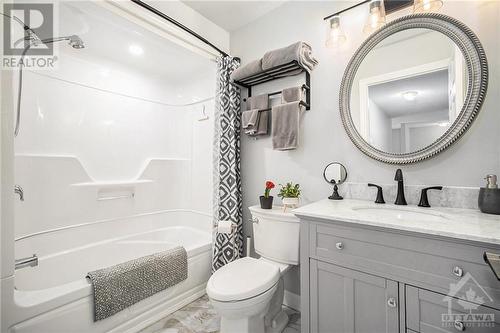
x,y
335,173
413,88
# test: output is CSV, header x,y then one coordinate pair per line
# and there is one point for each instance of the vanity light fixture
x,y
410,95
376,16
426,6
336,35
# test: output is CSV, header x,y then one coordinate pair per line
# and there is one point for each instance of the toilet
x,y
248,292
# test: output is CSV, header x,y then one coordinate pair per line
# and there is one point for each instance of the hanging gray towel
x,y
285,126
292,94
262,128
299,51
120,286
252,68
260,102
250,121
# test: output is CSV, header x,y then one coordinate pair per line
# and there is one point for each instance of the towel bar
x,y
278,72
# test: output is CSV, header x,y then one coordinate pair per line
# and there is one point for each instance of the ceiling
x,y
110,37
432,95
232,15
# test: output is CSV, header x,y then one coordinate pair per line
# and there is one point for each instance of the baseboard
x,y
292,300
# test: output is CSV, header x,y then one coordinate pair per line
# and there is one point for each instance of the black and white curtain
x,y
227,178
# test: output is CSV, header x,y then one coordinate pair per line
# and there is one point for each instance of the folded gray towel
x,y
292,94
299,51
250,121
252,68
119,286
260,102
285,126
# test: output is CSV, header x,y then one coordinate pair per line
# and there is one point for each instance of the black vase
x,y
266,203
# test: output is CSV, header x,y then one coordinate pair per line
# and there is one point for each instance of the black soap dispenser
x,y
489,196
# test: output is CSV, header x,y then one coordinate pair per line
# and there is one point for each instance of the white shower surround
x,y
97,126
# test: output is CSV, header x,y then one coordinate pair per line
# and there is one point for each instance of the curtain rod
x,y
178,24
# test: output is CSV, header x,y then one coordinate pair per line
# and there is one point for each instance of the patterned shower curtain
x,y
227,178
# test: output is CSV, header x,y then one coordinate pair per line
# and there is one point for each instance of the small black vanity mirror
x,y
335,173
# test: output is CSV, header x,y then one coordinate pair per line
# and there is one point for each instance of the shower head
x,y
73,40
76,42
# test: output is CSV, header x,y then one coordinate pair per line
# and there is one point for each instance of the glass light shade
x,y
425,6
376,16
335,35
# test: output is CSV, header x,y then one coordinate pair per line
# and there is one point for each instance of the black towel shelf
x,y
275,73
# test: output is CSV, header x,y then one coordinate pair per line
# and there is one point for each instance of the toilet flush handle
x,y
254,220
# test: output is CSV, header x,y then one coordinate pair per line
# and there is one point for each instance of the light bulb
x,y
425,6
336,35
376,16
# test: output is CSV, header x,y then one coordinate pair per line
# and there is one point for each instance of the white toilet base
x,y
278,324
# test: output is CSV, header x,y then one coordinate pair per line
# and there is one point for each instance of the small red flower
x,y
269,185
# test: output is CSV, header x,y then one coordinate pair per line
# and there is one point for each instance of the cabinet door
x,y
430,312
348,301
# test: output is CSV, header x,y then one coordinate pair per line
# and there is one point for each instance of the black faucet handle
x,y
380,194
424,200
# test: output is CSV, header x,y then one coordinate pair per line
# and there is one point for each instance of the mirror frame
x,y
477,82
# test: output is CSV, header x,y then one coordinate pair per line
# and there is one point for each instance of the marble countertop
x,y
466,224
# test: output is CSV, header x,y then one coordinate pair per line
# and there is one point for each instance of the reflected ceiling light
x,y
376,16
410,95
335,35
425,6
136,49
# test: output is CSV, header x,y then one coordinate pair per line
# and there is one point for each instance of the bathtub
x,y
55,296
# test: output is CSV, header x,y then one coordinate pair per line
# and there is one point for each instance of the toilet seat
x,y
242,279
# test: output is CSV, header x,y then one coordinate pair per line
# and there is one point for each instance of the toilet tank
x,y
276,234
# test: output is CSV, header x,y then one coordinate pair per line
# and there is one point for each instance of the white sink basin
x,y
403,214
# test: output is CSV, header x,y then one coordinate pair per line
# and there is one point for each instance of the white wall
x,y
193,20
380,128
323,138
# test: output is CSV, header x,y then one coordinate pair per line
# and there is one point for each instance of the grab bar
x,y
26,262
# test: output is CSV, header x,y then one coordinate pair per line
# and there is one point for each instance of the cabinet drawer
x,y
429,263
429,312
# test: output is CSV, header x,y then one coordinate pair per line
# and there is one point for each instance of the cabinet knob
x,y
459,326
339,246
392,302
457,271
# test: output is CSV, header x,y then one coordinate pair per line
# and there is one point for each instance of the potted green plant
x,y
266,201
290,194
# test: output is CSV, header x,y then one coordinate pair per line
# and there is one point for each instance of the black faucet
x,y
380,194
400,198
424,200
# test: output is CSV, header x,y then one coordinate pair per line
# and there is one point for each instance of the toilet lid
x,y
241,279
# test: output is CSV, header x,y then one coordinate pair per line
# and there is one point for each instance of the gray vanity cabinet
x,y
359,278
345,300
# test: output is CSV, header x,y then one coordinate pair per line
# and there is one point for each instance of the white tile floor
x,y
200,317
